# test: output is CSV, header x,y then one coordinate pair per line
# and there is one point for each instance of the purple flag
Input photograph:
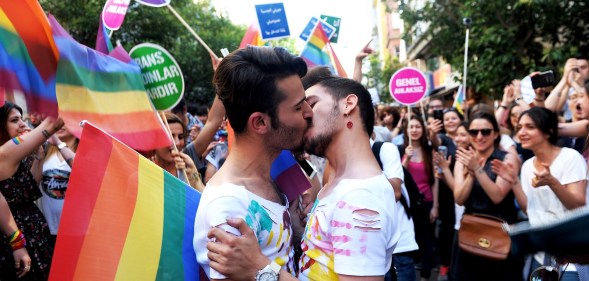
x,y
154,3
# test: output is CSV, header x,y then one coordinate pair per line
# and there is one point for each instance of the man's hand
x,y
236,257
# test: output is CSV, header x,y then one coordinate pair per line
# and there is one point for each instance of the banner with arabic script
x,y
272,20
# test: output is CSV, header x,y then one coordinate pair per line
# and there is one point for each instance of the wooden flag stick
x,y
191,31
163,117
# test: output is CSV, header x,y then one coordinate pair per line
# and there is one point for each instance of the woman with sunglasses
x,y
418,160
481,191
553,182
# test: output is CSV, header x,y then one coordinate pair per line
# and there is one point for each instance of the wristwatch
x,y
269,273
61,145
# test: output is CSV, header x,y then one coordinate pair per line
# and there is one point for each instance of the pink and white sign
x,y
408,85
114,12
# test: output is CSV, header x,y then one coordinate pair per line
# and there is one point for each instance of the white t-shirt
x,y
56,175
270,222
340,238
392,168
543,205
506,142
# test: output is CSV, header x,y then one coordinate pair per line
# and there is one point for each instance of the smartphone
x,y
439,114
309,169
543,79
444,150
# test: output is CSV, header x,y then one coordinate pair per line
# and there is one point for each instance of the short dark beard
x,y
318,145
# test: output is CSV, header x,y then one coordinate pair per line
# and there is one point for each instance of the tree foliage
x,y
158,25
508,38
379,76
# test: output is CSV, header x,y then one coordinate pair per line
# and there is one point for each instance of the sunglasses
x,y
474,132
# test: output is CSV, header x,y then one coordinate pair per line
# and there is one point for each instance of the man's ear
x,y
350,101
259,123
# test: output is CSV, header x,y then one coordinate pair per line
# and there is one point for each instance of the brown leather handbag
x,y
484,236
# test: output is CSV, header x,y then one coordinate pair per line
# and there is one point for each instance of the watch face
x,y
267,276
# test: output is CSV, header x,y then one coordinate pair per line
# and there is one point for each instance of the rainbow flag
x,y
289,176
252,37
318,52
106,90
103,43
459,100
125,218
28,55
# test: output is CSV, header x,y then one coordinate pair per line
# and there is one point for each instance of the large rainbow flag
x,y
106,90
318,52
28,55
125,218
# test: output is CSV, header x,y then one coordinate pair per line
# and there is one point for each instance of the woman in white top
x,y
54,176
553,182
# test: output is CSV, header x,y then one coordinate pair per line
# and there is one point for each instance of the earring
x,y
349,124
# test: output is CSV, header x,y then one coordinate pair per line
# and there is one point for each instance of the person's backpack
x,y
413,208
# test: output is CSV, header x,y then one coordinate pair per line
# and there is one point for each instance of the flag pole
x,y
182,172
191,31
467,22
408,120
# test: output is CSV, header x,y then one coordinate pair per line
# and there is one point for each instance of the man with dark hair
x,y
264,99
351,231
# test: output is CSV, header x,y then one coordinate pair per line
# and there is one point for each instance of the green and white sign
x,y
161,74
335,22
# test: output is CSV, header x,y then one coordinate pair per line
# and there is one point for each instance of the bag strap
x,y
376,151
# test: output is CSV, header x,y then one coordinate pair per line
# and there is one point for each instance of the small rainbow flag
x,y
318,51
28,55
125,218
289,176
459,100
106,90
252,37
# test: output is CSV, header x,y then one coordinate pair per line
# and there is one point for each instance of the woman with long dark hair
x,y
20,190
418,160
481,191
553,182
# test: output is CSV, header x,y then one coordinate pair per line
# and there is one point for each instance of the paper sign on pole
x,y
154,3
327,28
408,85
272,21
335,22
161,74
113,13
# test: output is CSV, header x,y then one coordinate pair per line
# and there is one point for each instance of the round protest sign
x,y
161,74
113,13
154,3
408,85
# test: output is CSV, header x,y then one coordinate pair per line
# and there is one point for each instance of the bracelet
x,y
518,99
17,140
503,106
17,240
480,170
45,133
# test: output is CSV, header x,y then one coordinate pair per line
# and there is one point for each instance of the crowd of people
x,y
389,195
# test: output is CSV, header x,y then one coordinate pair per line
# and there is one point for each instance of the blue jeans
x,y
404,266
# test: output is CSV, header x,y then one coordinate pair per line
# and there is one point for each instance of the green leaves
x,y
508,38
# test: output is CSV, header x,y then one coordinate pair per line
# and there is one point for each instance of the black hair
x,y
246,82
491,119
339,88
4,112
545,120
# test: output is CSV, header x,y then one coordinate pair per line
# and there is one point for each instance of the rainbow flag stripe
x,y
125,217
28,54
318,52
289,176
106,90
459,100
252,37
